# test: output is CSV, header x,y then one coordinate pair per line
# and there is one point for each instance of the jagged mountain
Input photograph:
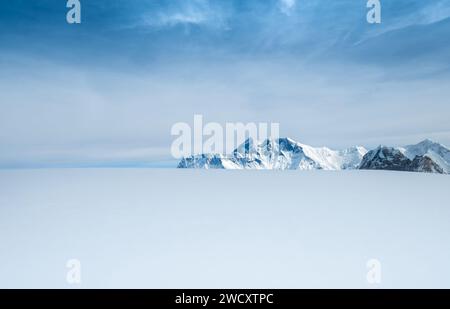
x,y
208,161
435,151
426,156
425,164
287,154
278,154
385,158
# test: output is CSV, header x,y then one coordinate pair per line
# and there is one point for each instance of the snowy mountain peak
x,y
435,151
426,156
285,153
385,158
281,153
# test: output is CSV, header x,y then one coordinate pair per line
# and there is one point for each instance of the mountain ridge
x,y
288,154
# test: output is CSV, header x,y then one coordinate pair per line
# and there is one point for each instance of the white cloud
x,y
194,18
193,12
286,6
435,13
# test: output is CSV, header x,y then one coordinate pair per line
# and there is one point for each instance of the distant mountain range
x,y
287,154
426,156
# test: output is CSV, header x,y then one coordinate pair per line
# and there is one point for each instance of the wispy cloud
x,y
426,14
188,12
194,18
435,13
134,65
287,6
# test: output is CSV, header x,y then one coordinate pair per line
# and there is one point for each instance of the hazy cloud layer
x,y
107,91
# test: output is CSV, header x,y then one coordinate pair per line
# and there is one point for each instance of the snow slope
x,y
287,154
437,152
426,156
175,228
279,154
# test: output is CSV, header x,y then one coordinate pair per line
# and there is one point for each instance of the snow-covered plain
x,y
155,228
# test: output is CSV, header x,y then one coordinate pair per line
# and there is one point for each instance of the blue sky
x,y
142,32
108,90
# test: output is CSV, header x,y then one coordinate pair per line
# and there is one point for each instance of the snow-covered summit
x,y
287,154
279,154
435,151
426,156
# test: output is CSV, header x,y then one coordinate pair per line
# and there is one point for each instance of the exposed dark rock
x,y
385,158
425,164
388,158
